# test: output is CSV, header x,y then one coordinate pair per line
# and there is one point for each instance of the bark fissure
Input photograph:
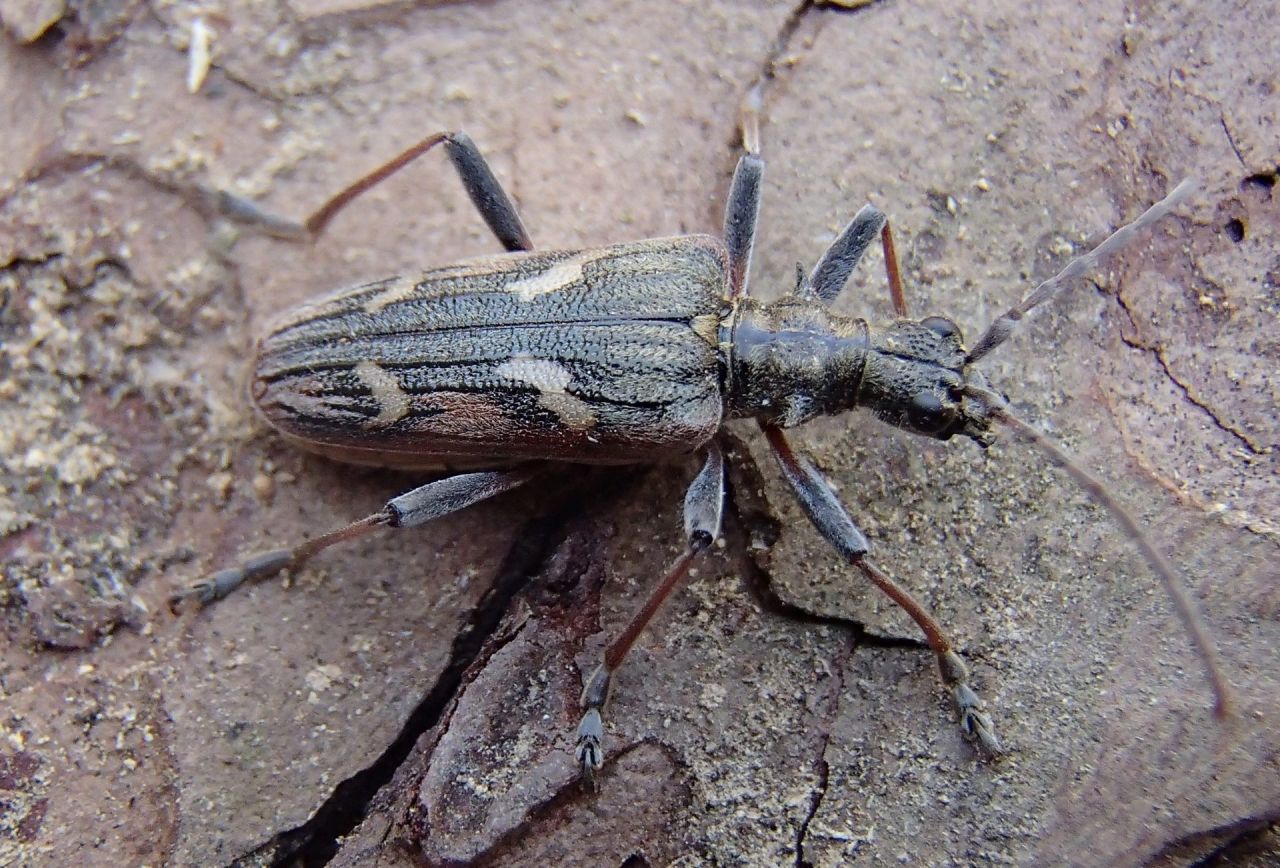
x,y
1188,393
316,841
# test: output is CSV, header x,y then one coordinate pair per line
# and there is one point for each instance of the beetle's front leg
x,y
422,504
703,506
829,516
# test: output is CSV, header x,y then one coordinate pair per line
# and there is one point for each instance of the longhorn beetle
x,y
636,352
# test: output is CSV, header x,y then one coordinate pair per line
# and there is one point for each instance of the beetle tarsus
x,y
223,582
589,750
975,722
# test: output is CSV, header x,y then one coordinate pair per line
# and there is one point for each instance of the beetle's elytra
x,y
609,355
635,352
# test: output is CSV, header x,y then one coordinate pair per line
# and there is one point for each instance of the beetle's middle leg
x,y
703,506
829,516
415,507
743,206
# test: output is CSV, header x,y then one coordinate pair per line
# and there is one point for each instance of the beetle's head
x,y
917,379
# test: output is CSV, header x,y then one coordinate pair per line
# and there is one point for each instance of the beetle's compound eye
x,y
940,326
928,415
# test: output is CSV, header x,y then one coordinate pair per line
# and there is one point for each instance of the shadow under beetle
x,y
631,353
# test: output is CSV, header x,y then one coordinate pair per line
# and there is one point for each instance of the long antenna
x,y
1004,325
1187,611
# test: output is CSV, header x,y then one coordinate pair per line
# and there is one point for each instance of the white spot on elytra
x,y
545,375
551,379
563,274
396,290
393,402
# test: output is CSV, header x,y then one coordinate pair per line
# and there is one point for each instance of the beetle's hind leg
x,y
486,192
703,507
829,516
422,504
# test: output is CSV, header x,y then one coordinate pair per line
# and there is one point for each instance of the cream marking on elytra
x,y
551,379
397,289
393,401
401,289
566,273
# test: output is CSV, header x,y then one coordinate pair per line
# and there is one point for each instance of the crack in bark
x,y
781,42
318,840
565,796
1231,139
1241,519
819,794
1248,837
790,26
1136,343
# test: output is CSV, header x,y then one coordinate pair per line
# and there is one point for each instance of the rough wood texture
x,y
751,727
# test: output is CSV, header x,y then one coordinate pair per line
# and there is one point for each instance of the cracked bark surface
x,y
777,712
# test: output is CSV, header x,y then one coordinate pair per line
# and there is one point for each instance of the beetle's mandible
x,y
508,366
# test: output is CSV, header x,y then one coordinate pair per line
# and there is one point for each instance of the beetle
x,y
498,369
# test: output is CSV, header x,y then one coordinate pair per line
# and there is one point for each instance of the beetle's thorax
x,y
793,360
790,361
